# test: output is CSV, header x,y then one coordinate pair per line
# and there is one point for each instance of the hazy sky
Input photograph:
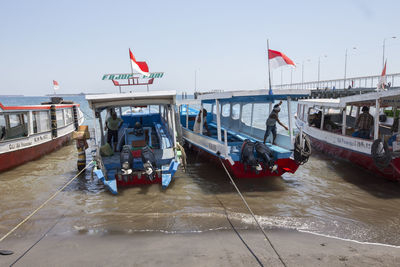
x,y
76,42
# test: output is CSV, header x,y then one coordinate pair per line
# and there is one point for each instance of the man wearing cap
x,y
364,124
271,122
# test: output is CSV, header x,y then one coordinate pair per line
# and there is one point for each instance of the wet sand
x,y
212,248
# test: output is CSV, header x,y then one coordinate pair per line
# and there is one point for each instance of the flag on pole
x,y
138,66
116,83
278,59
382,81
56,86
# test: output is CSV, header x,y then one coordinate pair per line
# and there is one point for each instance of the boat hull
x,y
392,172
18,157
238,169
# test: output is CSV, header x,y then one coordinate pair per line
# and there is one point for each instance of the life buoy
x,y
381,154
301,154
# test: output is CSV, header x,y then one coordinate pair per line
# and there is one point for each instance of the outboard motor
x,y
138,129
149,162
264,154
126,160
247,156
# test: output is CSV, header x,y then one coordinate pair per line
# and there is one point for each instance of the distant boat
x,y
330,125
237,144
29,132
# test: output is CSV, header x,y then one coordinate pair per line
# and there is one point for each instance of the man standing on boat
x,y
271,122
364,124
197,123
113,123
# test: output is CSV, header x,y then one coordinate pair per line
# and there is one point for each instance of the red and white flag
x,y
382,81
278,59
56,86
138,66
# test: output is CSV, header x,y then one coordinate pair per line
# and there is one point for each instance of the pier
x,y
344,87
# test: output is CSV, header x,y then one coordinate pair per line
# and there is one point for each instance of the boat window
x,y
236,111
2,127
207,106
60,118
43,119
68,116
18,126
246,114
226,110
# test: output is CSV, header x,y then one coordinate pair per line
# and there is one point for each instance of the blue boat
x,y
240,145
146,149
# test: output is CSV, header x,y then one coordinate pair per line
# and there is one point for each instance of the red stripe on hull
x,y
392,172
18,157
134,180
237,170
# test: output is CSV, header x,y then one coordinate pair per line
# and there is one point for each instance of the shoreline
x,y
212,248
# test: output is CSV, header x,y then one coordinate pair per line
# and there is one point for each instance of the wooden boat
x,y
29,132
378,153
144,155
230,135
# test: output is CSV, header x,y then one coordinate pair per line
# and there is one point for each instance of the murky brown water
x,y
324,196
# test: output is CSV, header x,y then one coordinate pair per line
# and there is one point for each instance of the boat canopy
x,y
325,102
252,96
387,98
102,101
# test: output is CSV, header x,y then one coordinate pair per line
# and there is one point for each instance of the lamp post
x,y
383,52
345,67
319,67
302,73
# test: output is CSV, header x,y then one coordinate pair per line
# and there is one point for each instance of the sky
x,y
223,42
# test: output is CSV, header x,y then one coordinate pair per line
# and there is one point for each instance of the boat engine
x,y
149,162
264,154
126,160
138,129
247,156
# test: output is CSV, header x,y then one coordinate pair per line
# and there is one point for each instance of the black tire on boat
x,y
301,155
381,154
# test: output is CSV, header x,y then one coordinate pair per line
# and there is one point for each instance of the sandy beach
x,y
212,248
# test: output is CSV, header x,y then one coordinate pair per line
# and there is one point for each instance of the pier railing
x,y
364,82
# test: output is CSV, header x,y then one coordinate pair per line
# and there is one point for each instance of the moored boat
x,y
237,142
146,151
29,132
330,125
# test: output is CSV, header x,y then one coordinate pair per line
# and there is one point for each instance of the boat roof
x,y
326,102
387,98
129,99
253,96
33,107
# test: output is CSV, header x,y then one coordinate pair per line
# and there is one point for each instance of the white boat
x,y
335,132
29,132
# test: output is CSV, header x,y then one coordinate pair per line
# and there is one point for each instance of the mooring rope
x,y
44,203
248,207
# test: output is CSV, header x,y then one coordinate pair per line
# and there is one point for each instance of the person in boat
x,y
316,121
113,123
197,123
394,130
364,124
273,118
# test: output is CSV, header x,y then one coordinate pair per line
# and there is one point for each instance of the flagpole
x,y
269,69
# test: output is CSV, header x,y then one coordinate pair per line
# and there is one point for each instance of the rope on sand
x,y
248,207
44,203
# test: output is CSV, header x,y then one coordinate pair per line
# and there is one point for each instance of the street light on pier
x,y
319,66
383,53
345,67
302,73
